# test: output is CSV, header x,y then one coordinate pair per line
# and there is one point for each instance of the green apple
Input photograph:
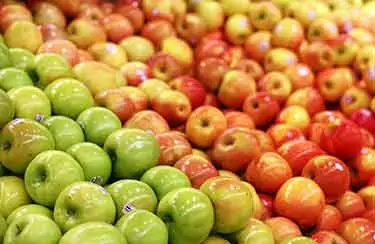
x,y
299,240
189,215
23,34
50,67
133,152
133,192
93,233
7,109
4,56
13,78
30,103
215,240
142,227
255,232
94,161
12,194
83,202
22,59
29,209
3,228
229,195
69,97
20,141
98,123
32,229
66,131
49,173
164,179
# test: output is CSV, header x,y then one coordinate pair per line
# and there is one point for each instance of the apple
x,y
277,84
298,240
364,57
135,73
345,49
268,172
237,28
138,48
351,205
367,194
354,99
13,194
322,29
157,30
134,14
27,229
317,55
136,193
11,13
91,232
365,118
191,27
160,9
5,56
191,87
52,32
23,34
108,53
63,47
97,132
153,88
300,75
7,107
278,59
14,78
265,15
330,219
49,67
257,45
69,7
165,66
172,147
265,141
364,165
255,231
137,96
328,237
22,59
48,13
283,133
84,56
236,119
84,32
27,210
212,13
83,202
308,98
149,121
227,195
358,230
91,12
69,97
258,209
267,203
189,215
283,228
251,67
215,48
117,27
20,141
215,240
210,72
153,229
328,116
133,152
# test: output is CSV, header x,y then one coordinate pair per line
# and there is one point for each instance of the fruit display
x,y
187,122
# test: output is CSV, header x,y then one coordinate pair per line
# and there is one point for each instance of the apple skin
x,y
13,194
257,45
298,153
267,202
330,219
152,228
298,240
137,193
255,231
279,59
367,194
213,48
212,14
262,107
149,121
92,232
296,116
215,240
22,59
328,116
65,48
157,31
300,75
23,34
11,78
83,202
165,66
287,33
283,133
20,141
265,141
283,228
109,53
153,88
191,27
133,152
135,73
353,99
322,30
268,172
236,119
365,118
85,32
328,237
137,96
308,98
357,230
49,173
364,165
7,107
69,97
84,56
210,71
303,207
12,13
237,28
163,179
3,227
191,87
32,231
173,147
277,84
258,209
138,48
350,46
97,132
330,173
52,32
29,209
134,14
117,27
264,16
190,215
351,205
364,57
5,56
48,13
317,55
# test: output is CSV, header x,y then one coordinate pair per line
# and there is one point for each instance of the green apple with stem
x,y
12,194
98,123
299,240
69,97
29,209
133,152
255,231
20,141
136,193
94,161
49,173
50,67
3,227
228,195
93,233
142,221
11,78
23,34
164,179
22,59
189,215
7,108
83,202
30,103
66,131
215,240
32,229
4,56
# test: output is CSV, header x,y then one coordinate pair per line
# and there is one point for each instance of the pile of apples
x,y
187,122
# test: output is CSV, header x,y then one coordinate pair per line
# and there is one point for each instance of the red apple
x,y
364,164
368,75
317,55
344,48
84,56
191,27
91,12
364,118
283,133
134,14
257,45
211,71
211,49
368,196
353,99
265,15
211,100
287,33
370,215
328,116
158,30
277,84
69,7
165,67
236,119
308,98
191,87
330,219
265,141
251,67
279,59
117,27
358,231
65,48
267,202
368,139
148,120
300,75
350,205
135,73
314,132
173,147
328,237
11,13
283,228
296,116
138,97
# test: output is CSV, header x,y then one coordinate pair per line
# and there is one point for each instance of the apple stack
x,y
187,122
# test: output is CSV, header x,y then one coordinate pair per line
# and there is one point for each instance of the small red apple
x,y
191,87
330,219
283,133
236,119
300,75
358,231
149,121
309,98
135,73
283,228
117,27
173,147
350,205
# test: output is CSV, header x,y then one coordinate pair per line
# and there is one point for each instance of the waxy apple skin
x,y
7,108
149,121
358,231
173,146
29,209
13,78
189,213
255,231
283,228
20,141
